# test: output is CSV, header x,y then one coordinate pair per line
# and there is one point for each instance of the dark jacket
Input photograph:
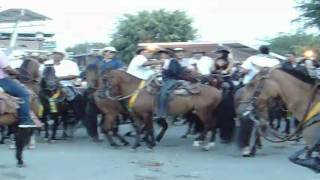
x,y
174,71
104,66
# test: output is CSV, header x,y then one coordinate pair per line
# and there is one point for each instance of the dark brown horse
x,y
298,94
109,108
9,118
120,83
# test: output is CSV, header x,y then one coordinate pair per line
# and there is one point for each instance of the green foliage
x,y
154,26
297,43
310,12
85,47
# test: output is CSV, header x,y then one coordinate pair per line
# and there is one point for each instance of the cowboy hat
x,y
221,49
109,48
178,49
60,51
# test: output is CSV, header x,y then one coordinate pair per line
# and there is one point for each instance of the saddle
x,y
8,104
187,88
184,88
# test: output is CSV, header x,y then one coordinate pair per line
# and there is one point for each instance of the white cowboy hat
x,y
109,48
178,49
60,51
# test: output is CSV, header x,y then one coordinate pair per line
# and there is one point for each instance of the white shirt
x,y
253,63
205,65
65,68
188,63
136,69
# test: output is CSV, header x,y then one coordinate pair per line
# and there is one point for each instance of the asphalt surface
x,y
173,158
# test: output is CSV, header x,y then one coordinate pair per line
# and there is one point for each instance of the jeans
x,y
15,89
163,98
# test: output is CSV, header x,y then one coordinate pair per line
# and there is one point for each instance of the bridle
x,y
252,114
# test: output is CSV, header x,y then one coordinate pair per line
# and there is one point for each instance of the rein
x,y
146,84
251,111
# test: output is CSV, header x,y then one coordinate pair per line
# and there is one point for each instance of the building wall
x,y
27,44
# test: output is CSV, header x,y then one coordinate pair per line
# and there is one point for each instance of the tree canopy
x,y
310,12
298,43
85,47
151,26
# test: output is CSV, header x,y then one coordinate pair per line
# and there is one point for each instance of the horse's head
x,y
252,104
92,76
111,82
215,81
49,80
29,70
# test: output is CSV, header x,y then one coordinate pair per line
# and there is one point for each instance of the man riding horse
x,y
109,62
15,89
66,71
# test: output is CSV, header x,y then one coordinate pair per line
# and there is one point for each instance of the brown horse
x,y
9,118
296,91
29,74
109,108
120,83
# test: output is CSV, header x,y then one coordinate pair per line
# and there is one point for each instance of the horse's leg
x,y
137,126
22,137
64,120
108,129
116,132
147,117
164,126
56,123
2,129
287,128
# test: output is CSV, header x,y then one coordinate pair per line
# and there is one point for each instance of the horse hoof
x,y
32,146
149,149
209,146
114,145
126,143
158,139
197,143
12,146
184,137
246,152
21,165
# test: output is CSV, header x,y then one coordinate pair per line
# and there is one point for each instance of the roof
x,y
12,15
240,51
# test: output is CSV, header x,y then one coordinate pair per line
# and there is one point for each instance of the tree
x,y
154,26
298,43
310,12
85,47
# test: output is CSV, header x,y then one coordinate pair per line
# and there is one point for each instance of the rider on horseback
x,y
109,62
15,89
140,65
66,71
252,65
172,71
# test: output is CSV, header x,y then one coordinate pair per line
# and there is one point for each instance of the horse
x,y
29,74
55,104
9,118
301,96
109,108
120,83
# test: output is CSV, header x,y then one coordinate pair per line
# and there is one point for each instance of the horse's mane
x,y
49,72
299,75
127,75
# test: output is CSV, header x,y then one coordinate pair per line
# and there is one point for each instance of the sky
x,y
78,21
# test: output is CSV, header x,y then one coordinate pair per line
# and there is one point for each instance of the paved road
x,y
174,158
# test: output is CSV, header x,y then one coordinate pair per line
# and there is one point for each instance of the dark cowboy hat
x,y
221,49
197,51
141,49
166,50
